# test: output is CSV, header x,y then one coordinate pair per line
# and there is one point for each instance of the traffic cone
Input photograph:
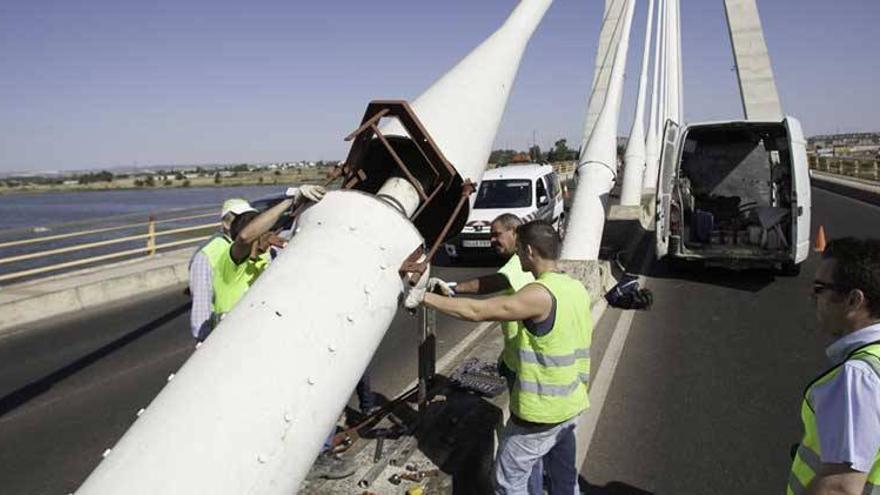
x,y
820,240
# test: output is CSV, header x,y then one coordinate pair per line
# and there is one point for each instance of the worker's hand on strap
x,y
439,286
306,192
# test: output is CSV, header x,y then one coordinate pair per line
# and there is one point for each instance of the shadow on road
x,y
613,488
36,388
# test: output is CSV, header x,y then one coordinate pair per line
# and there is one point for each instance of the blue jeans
x,y
523,445
536,479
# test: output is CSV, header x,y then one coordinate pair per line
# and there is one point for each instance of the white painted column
x,y
634,158
652,147
597,166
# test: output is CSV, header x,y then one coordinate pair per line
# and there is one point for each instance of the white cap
x,y
236,206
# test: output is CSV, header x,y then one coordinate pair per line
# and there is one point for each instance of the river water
x,y
32,210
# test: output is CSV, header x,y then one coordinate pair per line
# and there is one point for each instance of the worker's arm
x,y
488,284
241,247
202,290
532,302
848,426
837,479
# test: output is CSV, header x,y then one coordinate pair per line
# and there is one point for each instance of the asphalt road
x,y
70,388
706,398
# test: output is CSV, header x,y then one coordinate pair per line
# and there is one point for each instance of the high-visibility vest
x,y
808,458
551,382
231,281
213,250
517,278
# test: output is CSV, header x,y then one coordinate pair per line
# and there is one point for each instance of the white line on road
x,y
600,385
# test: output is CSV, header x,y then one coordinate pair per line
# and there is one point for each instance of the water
x,y
32,210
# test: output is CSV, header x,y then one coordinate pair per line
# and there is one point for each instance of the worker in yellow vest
x,y
507,280
248,255
203,265
840,449
553,353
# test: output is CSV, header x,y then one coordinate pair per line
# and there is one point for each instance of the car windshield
x,y
504,194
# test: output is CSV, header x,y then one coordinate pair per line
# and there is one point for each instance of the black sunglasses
x,y
820,287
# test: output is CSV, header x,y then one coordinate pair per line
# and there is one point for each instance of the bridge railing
x,y
860,168
32,253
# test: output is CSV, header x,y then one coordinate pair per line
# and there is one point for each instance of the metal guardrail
x,y
849,167
114,248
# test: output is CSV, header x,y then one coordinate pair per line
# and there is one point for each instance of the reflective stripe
x,y
584,377
809,457
527,356
545,389
795,485
871,489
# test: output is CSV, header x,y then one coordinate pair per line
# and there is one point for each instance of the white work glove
x,y
306,192
439,286
413,296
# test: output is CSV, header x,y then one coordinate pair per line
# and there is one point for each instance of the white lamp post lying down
x,y
249,411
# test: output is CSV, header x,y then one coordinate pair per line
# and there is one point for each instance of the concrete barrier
x,y
853,188
36,300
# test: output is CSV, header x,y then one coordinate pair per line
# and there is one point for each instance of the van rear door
x,y
668,171
801,183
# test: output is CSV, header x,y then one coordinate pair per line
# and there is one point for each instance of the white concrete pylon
x,y
609,38
597,166
634,158
655,126
252,407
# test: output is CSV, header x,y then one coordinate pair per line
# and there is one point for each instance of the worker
x,y
203,265
508,279
247,255
840,449
550,390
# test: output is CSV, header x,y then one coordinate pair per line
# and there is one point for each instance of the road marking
x,y
600,385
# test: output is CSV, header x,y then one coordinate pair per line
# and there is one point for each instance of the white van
x,y
529,191
735,194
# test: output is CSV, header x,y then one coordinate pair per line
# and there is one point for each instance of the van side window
x,y
540,190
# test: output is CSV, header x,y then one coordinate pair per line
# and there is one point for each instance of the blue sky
x,y
104,83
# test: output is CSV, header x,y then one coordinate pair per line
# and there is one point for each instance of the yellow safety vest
x,y
553,375
517,278
231,281
808,459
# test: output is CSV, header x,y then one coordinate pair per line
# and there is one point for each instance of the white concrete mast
x,y
249,411
634,158
655,126
597,166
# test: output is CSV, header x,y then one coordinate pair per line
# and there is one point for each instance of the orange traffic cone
x,y
820,240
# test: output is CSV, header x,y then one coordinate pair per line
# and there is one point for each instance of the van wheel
x,y
790,269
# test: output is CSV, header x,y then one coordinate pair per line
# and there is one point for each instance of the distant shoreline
x,y
256,178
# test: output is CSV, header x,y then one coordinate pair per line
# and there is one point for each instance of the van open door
x,y
802,202
665,177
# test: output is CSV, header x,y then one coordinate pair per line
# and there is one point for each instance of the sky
x,y
105,83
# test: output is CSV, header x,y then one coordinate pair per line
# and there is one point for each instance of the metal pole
x,y
652,151
597,166
151,236
250,410
634,158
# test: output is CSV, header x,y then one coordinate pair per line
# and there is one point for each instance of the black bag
x,y
628,295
